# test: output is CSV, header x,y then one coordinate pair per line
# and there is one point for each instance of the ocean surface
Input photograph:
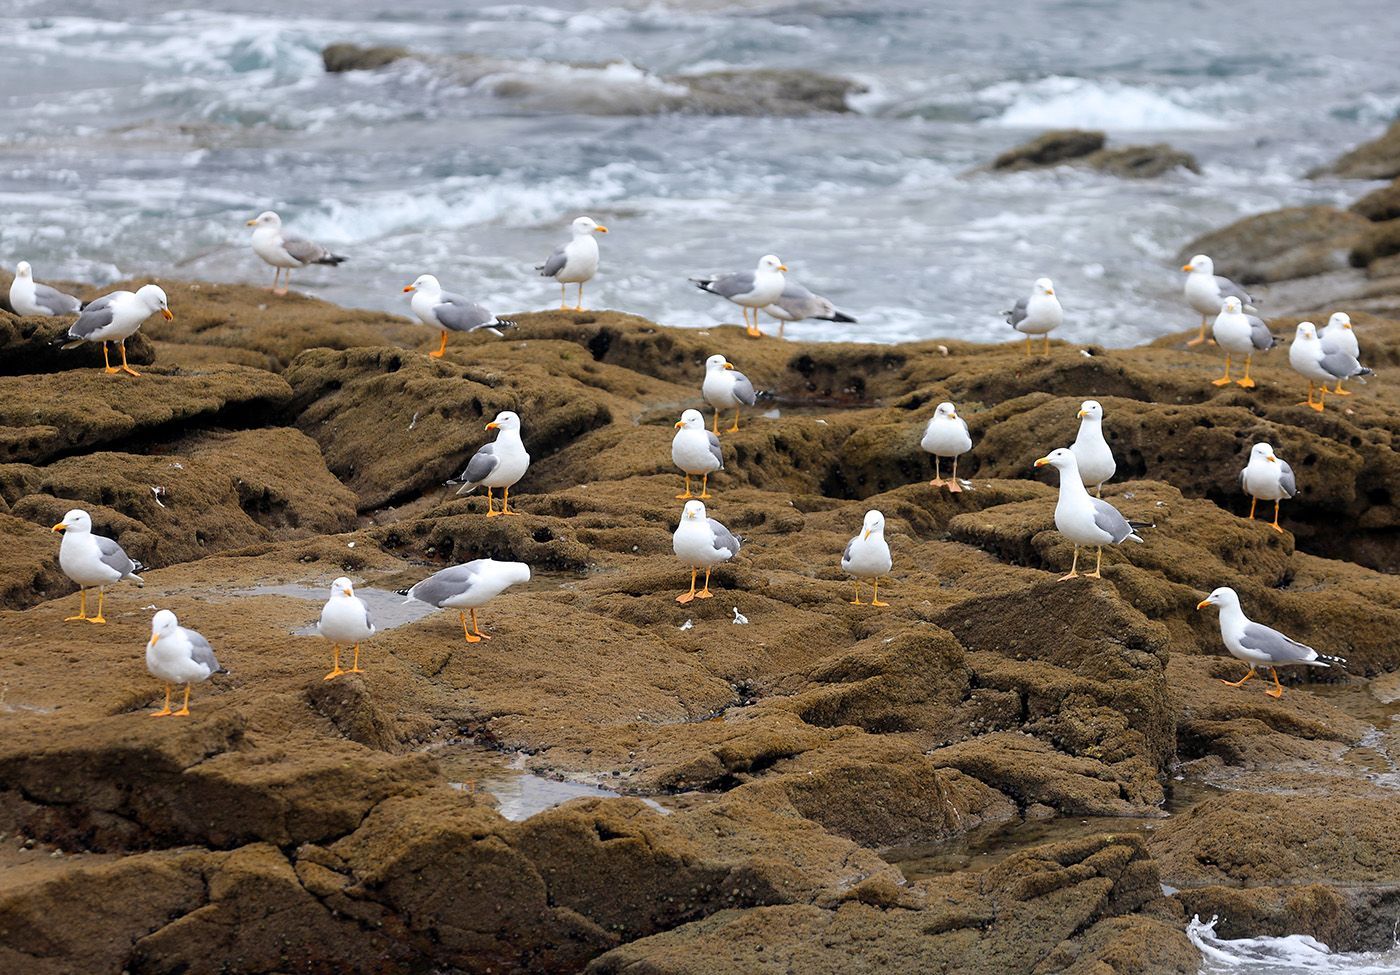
x,y
137,140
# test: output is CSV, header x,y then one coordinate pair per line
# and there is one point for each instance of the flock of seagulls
x,y
178,655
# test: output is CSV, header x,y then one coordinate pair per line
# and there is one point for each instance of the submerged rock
x,y
1087,148
1051,149
353,57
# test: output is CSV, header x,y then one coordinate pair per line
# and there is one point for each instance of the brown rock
x,y
1381,204
1051,149
353,57
1142,162
1377,159
1281,244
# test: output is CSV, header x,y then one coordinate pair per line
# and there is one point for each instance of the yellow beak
x,y
729,365
155,638
679,424
782,267
493,425
1081,415
1272,459
1187,267
1042,462
251,223
1049,291
1347,326
348,592
60,526
407,288
1203,603
602,230
867,533
952,416
167,314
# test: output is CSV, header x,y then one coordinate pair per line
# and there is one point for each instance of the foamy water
x,y
1295,954
138,139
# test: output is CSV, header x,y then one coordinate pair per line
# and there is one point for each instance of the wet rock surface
x,y
767,768
1089,148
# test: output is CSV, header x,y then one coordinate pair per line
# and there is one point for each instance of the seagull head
x,y
874,524
23,270
76,520
694,511
691,420
1090,409
717,362
1231,306
1060,459
425,283
1262,451
505,420
1307,332
267,218
341,587
584,226
1341,319
1044,286
155,300
945,411
163,623
769,263
1200,264
1224,596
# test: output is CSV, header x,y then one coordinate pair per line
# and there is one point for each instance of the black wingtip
x,y
334,260
402,592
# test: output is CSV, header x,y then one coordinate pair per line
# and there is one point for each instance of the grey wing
x,y
306,251
724,538
96,316
1259,334
481,465
716,449
1281,649
800,306
452,581
369,617
743,390
965,429
1111,520
201,651
1243,472
1018,313
846,555
1229,289
1285,479
729,285
461,315
555,264
113,557
1342,365
55,301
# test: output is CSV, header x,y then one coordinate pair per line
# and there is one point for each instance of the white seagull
x,y
1038,314
285,252
574,262
725,388
797,303
115,318
468,587
696,451
750,290
1205,291
499,464
1267,478
92,560
178,655
1256,644
1239,334
1082,519
867,556
29,298
1321,362
345,621
1337,333
449,312
1091,450
946,436
701,542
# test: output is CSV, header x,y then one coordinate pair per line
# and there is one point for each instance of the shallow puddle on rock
x,y
1374,702
387,608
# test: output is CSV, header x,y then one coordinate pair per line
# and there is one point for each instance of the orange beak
x,y
251,223
348,592
602,230
155,638
1081,415
1049,291
679,424
493,425
1203,603
167,314
729,365
60,526
407,288
1273,459
1187,267
782,267
1042,462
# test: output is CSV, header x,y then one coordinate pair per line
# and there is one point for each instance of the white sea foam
x,y
1294,954
1061,102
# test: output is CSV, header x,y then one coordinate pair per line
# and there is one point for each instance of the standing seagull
x,y
1239,334
499,464
1091,450
696,451
178,655
1256,644
1321,363
1038,314
725,388
797,303
867,556
946,436
576,261
1082,519
345,620
115,318
285,252
1337,334
30,298
700,541
467,587
1205,291
750,290
92,560
1267,478
449,312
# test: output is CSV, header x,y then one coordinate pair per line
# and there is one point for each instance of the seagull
x,y
576,261
1267,478
750,290
726,389
499,464
1256,644
115,318
696,451
29,298
178,655
701,541
1039,314
1082,519
468,586
1321,362
449,312
345,620
1338,333
867,556
285,252
1091,450
946,436
797,303
92,560
1206,291
1239,334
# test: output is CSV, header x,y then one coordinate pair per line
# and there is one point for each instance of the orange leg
x,y
1098,567
1199,339
1252,503
1246,382
705,592
107,366
355,667
1225,379
491,512
686,597
875,599
735,427
442,348
82,607
716,426
937,473
1321,403
101,598
1237,683
1277,689
125,368
704,486
469,637
1274,524
1047,343
335,664
856,601
505,504
682,497
185,708
953,486
1074,567
476,628
1338,390
165,710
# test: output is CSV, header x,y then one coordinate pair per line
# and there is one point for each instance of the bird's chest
x,y
580,260
718,390
269,248
81,560
1203,294
1232,333
422,306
